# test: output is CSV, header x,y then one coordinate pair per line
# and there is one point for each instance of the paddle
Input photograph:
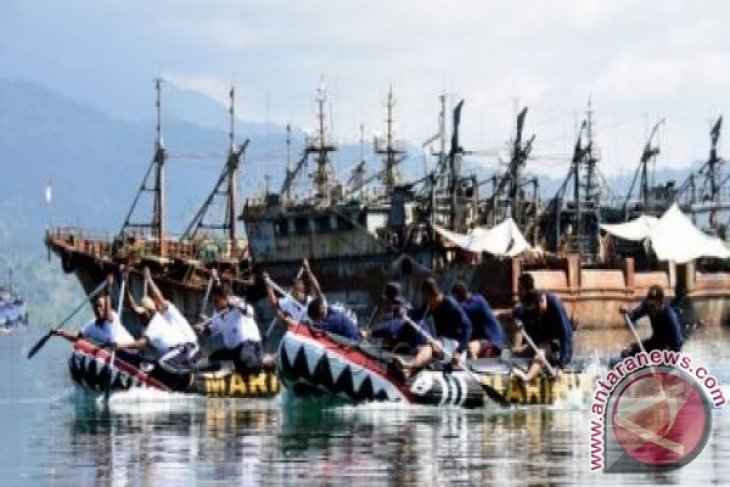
x,y
632,327
207,294
538,353
489,390
108,389
40,343
278,289
670,404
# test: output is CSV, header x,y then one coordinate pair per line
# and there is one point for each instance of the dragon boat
x,y
312,362
93,370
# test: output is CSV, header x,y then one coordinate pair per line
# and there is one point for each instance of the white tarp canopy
x,y
503,239
673,237
636,230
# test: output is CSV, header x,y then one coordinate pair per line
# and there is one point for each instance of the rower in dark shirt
x,y
332,320
546,321
487,338
666,331
452,325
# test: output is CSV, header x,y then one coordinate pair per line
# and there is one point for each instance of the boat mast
x,y
390,173
158,217
156,225
226,187
454,170
320,147
648,155
508,187
232,166
705,185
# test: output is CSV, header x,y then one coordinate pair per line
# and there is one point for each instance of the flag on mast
x,y
48,193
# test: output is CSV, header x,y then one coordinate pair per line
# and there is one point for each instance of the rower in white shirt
x,y
295,304
105,328
234,320
166,331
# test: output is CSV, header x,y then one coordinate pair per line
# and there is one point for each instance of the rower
x,y
453,328
546,321
329,319
295,304
169,311
105,328
234,320
487,338
396,334
165,330
666,332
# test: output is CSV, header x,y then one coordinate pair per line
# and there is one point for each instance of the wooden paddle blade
x,y
39,345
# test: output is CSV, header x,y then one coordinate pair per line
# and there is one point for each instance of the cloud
x,y
638,59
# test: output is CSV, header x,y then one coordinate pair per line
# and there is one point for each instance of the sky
x,y
637,61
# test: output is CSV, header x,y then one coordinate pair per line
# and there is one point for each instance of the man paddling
x,y
166,331
332,320
294,305
546,321
666,331
234,320
396,334
452,325
487,338
106,326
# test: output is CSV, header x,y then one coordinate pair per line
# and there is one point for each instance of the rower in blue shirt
x,y
332,320
452,325
666,331
394,332
487,337
546,322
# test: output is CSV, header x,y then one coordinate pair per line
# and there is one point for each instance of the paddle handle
x,y
538,353
206,295
632,327
279,290
121,298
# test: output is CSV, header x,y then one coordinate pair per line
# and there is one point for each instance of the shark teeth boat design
x,y
312,362
90,368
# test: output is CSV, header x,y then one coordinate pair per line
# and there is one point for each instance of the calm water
x,y
52,435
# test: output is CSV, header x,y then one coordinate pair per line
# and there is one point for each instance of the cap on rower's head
x,y
148,304
460,290
317,308
221,289
430,287
526,282
655,293
392,292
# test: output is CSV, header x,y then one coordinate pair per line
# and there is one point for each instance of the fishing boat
x,y
358,237
13,311
93,369
315,363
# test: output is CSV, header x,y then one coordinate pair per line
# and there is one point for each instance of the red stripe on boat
x,y
92,350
